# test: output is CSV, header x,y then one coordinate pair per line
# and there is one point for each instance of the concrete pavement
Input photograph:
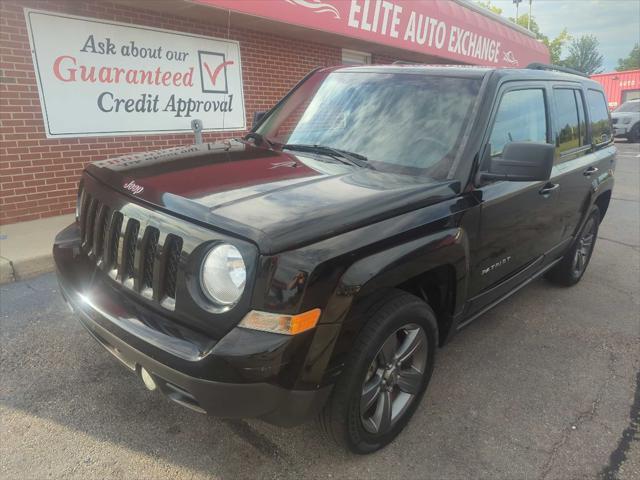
x,y
542,387
25,248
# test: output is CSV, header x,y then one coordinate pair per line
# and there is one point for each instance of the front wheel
x,y
385,376
573,265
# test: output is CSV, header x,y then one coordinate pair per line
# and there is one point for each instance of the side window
x,y
600,123
521,117
571,128
584,138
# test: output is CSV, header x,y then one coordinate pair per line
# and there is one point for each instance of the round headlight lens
x,y
223,275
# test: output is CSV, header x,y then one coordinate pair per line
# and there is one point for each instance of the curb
x,y
26,248
23,269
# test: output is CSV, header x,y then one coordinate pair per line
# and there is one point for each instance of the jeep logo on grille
x,y
133,187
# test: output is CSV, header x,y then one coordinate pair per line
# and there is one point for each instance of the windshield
x,y
401,122
633,107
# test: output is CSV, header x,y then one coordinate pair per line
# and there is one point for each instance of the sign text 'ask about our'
x,y
105,78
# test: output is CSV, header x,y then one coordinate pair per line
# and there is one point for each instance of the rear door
x,y
579,159
574,156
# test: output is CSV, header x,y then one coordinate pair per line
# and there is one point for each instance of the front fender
x,y
394,266
377,272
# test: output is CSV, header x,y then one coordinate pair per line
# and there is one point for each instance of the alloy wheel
x,y
584,247
393,379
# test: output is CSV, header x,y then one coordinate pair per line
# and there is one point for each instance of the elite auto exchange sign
x,y
100,78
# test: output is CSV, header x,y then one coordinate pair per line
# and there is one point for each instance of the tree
x,y
489,6
584,55
554,45
632,62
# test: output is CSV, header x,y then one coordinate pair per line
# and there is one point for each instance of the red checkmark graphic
x,y
214,75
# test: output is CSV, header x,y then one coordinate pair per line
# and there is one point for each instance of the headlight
x,y
223,275
626,120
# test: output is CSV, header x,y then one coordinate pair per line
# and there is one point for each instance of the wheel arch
x,y
433,267
602,202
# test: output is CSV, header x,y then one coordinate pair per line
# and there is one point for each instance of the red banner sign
x,y
442,28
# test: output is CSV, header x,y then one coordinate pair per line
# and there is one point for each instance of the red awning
x,y
448,29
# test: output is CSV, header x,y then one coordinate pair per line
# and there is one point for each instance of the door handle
x,y
548,188
590,171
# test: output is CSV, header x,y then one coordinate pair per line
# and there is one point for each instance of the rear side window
x,y
521,117
570,120
600,123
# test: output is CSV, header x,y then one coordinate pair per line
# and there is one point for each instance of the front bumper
x,y
234,377
620,130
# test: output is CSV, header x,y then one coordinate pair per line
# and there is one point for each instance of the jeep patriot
x,y
313,267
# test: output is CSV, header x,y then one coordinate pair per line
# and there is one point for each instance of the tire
x,y
574,263
634,134
397,319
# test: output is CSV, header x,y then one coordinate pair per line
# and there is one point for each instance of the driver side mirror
x,y
519,162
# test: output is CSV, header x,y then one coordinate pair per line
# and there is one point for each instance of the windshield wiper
x,y
260,138
349,158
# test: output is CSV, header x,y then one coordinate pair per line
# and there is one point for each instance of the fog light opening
x,y
147,379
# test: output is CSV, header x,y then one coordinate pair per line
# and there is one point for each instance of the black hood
x,y
276,199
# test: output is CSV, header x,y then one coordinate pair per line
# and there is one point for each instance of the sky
x,y
615,23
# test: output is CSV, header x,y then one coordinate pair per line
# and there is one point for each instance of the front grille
x,y
139,256
614,120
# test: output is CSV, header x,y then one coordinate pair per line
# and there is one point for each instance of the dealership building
x,y
85,81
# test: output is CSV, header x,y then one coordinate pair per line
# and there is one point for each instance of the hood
x,y
621,115
276,199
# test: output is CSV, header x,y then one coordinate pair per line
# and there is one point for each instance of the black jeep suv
x,y
313,267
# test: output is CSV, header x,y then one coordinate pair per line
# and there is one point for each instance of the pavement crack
x,y
581,418
625,199
624,244
619,455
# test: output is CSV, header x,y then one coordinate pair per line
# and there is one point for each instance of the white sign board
x,y
100,78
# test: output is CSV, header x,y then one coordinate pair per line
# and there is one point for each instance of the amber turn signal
x,y
279,323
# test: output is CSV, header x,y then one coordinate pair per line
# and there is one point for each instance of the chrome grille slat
x,y
84,207
102,213
89,225
111,245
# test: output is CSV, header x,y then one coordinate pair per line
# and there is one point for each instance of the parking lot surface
x,y
544,386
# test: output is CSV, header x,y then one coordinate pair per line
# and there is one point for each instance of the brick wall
x,y
38,176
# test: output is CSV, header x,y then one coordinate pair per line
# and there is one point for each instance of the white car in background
x,y
626,120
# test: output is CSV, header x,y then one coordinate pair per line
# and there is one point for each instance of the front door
x,y
519,220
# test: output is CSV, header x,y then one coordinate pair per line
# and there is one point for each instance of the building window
x,y
353,57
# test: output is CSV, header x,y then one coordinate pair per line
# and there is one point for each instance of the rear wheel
x,y
571,268
385,375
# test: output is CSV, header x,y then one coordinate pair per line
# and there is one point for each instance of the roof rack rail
x,y
557,68
404,62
